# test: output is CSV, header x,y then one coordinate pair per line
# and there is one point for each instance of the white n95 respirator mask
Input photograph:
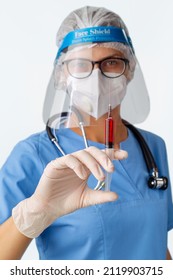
x,y
93,94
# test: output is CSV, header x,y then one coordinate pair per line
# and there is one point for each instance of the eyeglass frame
x,y
99,62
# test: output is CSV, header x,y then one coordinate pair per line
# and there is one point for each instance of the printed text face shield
x,y
95,68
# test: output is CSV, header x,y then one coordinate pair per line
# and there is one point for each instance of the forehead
x,y
93,53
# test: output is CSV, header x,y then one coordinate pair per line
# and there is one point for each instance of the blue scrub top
x,y
133,227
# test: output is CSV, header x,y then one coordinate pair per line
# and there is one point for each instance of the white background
x,y
27,52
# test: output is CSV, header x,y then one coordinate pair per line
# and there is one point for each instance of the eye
x,y
79,65
110,62
114,65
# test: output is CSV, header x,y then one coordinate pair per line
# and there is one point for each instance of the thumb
x,y
93,197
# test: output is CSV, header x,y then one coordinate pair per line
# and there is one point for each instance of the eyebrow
x,y
112,56
106,57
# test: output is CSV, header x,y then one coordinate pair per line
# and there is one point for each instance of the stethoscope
x,y
154,181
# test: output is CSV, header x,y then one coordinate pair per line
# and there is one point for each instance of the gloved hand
x,y
63,189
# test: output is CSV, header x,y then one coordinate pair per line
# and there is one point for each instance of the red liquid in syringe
x,y
109,130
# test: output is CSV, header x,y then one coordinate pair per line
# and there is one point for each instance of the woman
x,y
49,194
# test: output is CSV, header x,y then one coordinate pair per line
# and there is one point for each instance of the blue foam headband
x,y
95,35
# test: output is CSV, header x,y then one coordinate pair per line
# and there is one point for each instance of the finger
x,y
120,154
90,161
69,161
102,158
116,154
90,158
92,197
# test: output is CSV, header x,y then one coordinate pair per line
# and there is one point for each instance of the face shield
x,y
95,69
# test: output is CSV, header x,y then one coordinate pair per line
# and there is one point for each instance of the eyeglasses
x,y
81,68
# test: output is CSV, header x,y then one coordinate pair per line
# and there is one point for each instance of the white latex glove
x,y
63,189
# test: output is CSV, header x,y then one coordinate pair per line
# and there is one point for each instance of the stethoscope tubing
x,y
153,181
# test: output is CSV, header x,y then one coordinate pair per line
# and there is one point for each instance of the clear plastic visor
x,y
89,79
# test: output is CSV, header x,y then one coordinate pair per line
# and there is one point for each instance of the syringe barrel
x,y
109,133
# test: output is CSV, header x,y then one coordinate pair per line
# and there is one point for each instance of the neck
x,y
96,132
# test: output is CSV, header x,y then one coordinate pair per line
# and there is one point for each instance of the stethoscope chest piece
x,y
155,182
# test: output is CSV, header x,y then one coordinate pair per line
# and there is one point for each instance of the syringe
x,y
109,145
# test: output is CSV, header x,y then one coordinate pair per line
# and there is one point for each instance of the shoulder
x,y
35,149
30,145
157,146
152,138
34,140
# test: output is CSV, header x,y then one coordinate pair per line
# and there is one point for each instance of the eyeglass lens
x,y
82,68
